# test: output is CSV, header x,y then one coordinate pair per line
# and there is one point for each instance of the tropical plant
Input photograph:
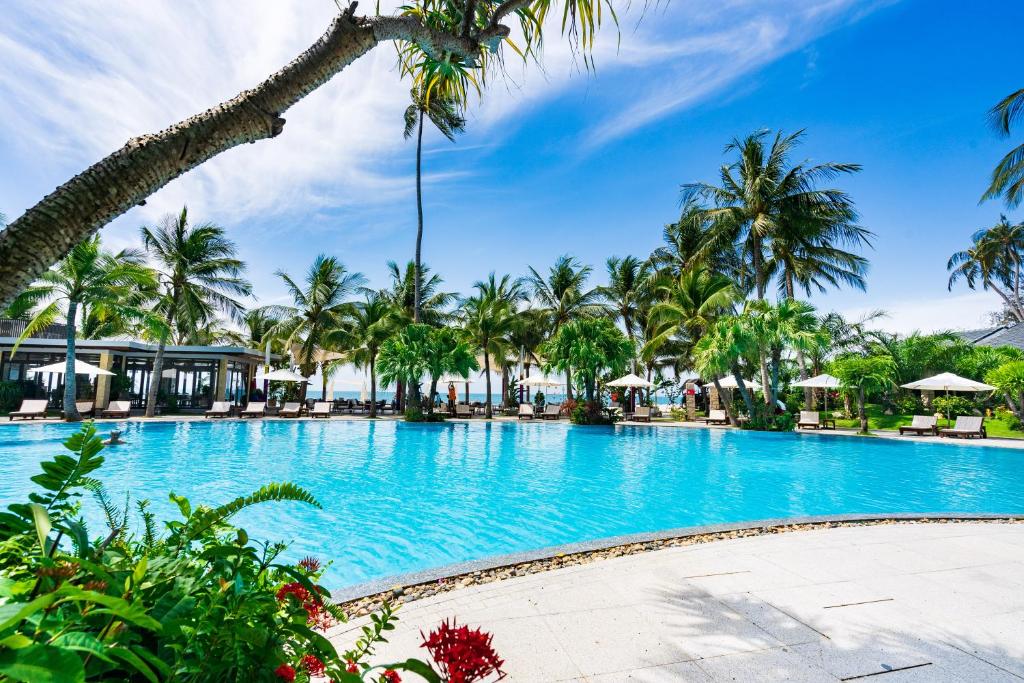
x,y
861,375
444,113
198,275
1009,380
434,302
321,305
419,350
693,242
446,48
99,285
488,319
370,324
761,198
586,348
687,305
448,354
994,258
1008,176
628,291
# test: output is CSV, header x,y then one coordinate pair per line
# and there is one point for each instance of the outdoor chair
x,y
219,409
321,409
642,414
85,408
463,410
922,425
526,411
254,409
290,409
717,417
30,409
809,419
118,409
552,411
967,426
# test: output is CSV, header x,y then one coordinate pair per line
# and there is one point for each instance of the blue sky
x,y
556,160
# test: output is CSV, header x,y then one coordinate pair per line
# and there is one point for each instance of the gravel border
x,y
365,598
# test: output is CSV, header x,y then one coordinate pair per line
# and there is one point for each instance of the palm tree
x,y
692,241
863,374
99,284
1008,176
198,274
370,324
761,195
994,257
718,353
563,296
588,347
525,339
321,305
687,305
434,302
488,318
444,113
627,291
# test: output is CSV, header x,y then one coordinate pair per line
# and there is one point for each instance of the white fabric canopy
x,y
541,381
947,381
81,368
282,376
630,380
729,382
824,381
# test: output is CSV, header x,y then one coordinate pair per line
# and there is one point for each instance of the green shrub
x,y
954,405
418,415
590,413
11,394
191,600
907,405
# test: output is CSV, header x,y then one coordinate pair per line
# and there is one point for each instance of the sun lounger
x,y
642,414
809,419
921,425
463,410
118,409
552,411
291,409
255,409
526,411
30,409
967,426
85,408
717,417
321,409
219,409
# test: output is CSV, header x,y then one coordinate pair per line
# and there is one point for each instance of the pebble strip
x,y
401,594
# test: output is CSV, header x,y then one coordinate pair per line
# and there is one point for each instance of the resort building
x,y
1004,335
192,378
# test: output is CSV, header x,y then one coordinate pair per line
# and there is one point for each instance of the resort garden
x,y
720,316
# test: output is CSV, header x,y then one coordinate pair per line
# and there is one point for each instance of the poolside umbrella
x,y
729,382
632,382
283,376
948,382
81,368
822,381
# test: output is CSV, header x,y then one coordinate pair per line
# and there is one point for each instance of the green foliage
x,y
417,415
954,405
587,348
11,394
591,413
199,603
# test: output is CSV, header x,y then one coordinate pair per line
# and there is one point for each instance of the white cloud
x,y
961,312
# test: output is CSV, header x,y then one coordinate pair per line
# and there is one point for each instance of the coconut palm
x,y
760,194
718,353
692,241
525,339
321,305
627,291
434,302
444,113
371,322
687,305
860,374
198,275
994,258
488,318
588,347
94,283
1008,176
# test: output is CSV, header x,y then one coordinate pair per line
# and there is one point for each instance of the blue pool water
x,y
401,497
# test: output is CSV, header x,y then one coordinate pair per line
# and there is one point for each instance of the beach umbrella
x,y
81,368
283,376
822,381
947,381
729,382
363,394
631,382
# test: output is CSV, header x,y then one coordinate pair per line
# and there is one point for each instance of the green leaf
x,y
133,612
418,667
134,661
42,664
83,642
12,613
42,522
16,641
183,504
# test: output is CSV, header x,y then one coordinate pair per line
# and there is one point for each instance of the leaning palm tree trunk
x,y
373,386
419,221
70,409
487,373
155,376
727,404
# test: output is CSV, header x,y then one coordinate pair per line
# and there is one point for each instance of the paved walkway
x,y
914,602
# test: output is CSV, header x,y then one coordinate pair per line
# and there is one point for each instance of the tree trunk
x,y
433,390
70,409
323,390
158,364
741,385
46,232
419,222
728,404
504,384
755,253
860,411
373,385
487,372
766,385
568,382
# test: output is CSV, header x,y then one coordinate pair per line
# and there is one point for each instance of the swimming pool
x,y
401,497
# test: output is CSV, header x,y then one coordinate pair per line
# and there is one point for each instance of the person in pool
x,y
115,439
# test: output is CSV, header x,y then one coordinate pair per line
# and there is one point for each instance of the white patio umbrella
x,y
632,381
822,381
282,376
729,382
947,381
81,368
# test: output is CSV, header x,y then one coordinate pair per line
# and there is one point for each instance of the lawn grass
x,y
878,420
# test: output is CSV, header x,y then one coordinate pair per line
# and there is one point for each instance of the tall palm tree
x,y
1008,176
199,274
563,296
89,280
370,324
760,193
444,113
995,258
627,291
434,302
488,318
692,241
686,306
321,304
524,340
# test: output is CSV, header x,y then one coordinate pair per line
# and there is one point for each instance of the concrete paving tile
x,y
775,622
777,664
708,628
680,672
867,658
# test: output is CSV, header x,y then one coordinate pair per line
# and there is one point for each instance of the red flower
x,y
313,665
390,676
285,672
352,667
310,564
462,655
316,615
